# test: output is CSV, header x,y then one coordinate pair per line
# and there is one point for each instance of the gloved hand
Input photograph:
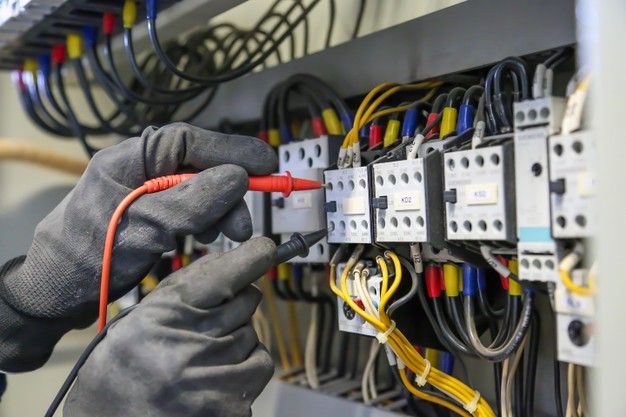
x,y
187,350
55,287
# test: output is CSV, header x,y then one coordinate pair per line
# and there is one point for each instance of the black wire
x,y
359,19
233,73
531,366
130,53
67,384
77,129
558,395
331,22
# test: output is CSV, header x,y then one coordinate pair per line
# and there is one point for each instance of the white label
x,y
479,194
406,200
354,205
302,200
585,184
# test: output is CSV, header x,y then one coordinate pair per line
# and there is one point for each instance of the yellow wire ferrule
x,y
432,355
391,133
332,122
282,272
30,65
129,14
451,279
514,287
448,121
273,137
74,44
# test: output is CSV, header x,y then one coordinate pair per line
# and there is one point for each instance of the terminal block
x,y
407,200
535,121
572,187
348,320
479,194
546,111
537,250
348,205
575,323
303,211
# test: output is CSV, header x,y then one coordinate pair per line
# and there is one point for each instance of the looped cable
x,y
471,406
421,380
383,337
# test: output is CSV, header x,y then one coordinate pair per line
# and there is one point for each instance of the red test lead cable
x,y
270,183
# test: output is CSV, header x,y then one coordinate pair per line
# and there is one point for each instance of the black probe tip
x,y
298,245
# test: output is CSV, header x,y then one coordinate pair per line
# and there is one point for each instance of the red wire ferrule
x,y
376,135
58,54
504,281
318,126
264,136
108,23
433,286
435,130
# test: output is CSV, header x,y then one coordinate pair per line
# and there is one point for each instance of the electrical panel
x,y
303,211
480,194
348,205
407,201
575,322
535,121
347,318
572,185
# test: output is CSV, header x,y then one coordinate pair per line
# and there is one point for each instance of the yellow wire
x,y
276,327
431,398
578,289
449,385
364,115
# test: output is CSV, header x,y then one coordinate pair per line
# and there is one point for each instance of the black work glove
x,y
55,287
188,349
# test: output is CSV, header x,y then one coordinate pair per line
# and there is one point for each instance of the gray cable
x,y
503,351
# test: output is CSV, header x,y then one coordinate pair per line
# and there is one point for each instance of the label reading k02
x,y
406,200
479,194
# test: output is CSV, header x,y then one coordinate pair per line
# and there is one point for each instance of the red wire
x,y
269,183
108,252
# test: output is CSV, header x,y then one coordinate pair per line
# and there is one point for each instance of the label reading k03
x,y
479,194
406,200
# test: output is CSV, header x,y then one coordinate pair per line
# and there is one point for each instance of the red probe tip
x,y
282,184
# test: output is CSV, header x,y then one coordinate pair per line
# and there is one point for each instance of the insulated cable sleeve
x,y
12,150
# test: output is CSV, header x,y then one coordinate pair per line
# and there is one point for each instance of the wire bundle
x,y
176,81
470,402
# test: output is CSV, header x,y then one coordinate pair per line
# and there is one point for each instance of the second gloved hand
x,y
187,350
55,287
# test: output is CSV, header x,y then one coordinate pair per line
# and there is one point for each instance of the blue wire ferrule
x,y
365,130
409,124
481,278
44,64
90,35
447,362
465,119
469,280
347,119
298,271
151,9
285,134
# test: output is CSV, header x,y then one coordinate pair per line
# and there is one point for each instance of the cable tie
x,y
471,406
400,363
421,380
383,337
